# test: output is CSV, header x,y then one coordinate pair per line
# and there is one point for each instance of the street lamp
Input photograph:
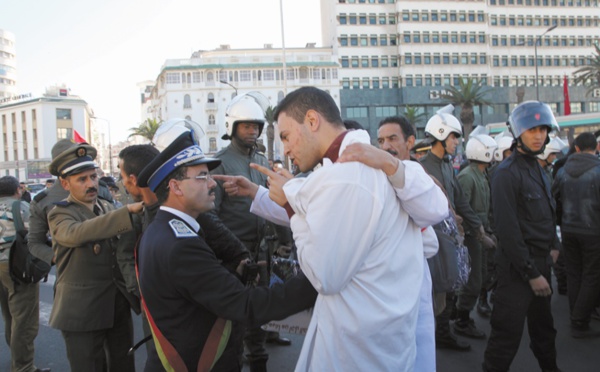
x,y
224,82
110,161
537,83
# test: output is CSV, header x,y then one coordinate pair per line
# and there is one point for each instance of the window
x,y
393,40
211,98
408,59
356,112
394,61
418,59
268,75
363,40
354,62
245,75
343,20
344,41
354,40
63,114
62,133
173,78
366,84
345,83
362,19
212,144
352,19
374,62
373,39
196,77
383,40
375,82
364,62
355,83
372,19
382,19
416,37
385,83
187,102
385,111
384,62
211,120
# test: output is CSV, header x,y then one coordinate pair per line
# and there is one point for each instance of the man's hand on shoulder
x,y
135,208
371,156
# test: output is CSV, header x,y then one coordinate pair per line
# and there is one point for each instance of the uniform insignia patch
x,y
181,230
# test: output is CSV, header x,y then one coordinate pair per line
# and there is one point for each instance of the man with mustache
x,y
91,304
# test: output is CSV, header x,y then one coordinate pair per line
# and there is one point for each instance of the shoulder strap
x,y
169,357
16,212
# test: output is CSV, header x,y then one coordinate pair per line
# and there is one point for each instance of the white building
x,y
32,125
200,88
8,65
412,49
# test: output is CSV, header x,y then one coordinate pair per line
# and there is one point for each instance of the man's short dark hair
x,y
298,102
136,157
8,185
586,142
407,128
162,191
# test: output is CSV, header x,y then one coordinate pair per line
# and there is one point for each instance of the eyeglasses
x,y
203,177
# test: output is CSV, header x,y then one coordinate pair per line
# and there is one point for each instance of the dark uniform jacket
x,y
476,189
524,214
88,276
443,172
577,193
39,231
186,288
234,211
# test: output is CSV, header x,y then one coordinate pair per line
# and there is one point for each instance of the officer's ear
x,y
65,183
174,187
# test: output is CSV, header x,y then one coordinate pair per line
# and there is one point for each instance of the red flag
x,y
78,138
566,94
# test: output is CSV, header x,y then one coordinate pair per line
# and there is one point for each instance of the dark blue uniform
x,y
524,215
186,289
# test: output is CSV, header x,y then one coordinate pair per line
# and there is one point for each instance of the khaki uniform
x,y
91,302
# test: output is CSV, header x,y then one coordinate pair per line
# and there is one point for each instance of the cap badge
x,y
81,152
537,116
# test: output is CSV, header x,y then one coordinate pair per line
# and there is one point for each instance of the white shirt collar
x,y
185,217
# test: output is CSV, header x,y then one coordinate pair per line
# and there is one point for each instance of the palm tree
x,y
147,129
591,72
269,117
469,93
412,114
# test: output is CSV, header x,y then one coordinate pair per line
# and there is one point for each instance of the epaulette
x,y
41,195
63,203
181,229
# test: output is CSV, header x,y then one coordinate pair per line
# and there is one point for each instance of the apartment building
x,y
8,65
396,53
200,87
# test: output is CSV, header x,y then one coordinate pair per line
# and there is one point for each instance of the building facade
x,y
199,88
8,65
396,53
32,125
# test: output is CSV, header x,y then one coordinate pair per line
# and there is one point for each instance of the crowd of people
x,y
192,253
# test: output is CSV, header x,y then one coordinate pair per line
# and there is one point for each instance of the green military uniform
x,y
90,295
19,302
476,190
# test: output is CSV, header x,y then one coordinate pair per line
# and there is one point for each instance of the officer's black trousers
x,y
515,302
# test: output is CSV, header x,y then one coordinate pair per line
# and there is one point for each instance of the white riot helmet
x,y
480,147
555,145
504,143
173,128
442,124
245,108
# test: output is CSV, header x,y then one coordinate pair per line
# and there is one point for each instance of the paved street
x,y
573,355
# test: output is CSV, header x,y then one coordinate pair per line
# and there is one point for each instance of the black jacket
x,y
577,193
186,288
524,214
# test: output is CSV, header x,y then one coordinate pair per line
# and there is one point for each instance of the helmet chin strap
x,y
527,150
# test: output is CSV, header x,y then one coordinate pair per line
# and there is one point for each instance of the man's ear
x,y
65,184
313,120
174,186
133,179
410,142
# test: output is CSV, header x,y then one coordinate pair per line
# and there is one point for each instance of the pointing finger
x,y
264,170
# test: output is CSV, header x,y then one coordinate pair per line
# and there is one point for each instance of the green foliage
x,y
590,74
147,129
468,94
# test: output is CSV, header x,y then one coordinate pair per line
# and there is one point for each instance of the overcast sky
x,y
102,49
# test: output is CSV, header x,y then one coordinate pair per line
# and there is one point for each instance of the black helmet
x,y
528,115
531,114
